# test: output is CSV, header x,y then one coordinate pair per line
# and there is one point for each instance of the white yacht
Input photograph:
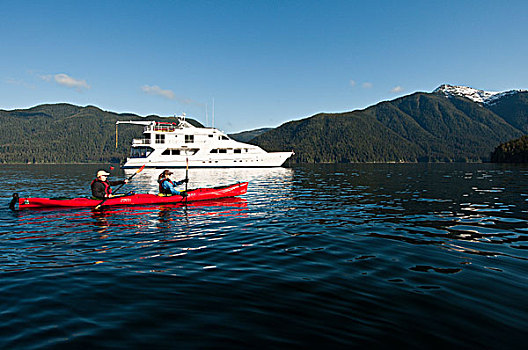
x,y
172,145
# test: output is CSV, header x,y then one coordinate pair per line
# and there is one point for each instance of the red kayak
x,y
199,194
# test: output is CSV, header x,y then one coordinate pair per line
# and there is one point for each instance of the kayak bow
x,y
199,194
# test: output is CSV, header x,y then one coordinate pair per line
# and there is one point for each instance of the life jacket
x,y
108,189
163,190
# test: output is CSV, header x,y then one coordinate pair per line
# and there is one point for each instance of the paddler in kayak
x,y
101,186
167,186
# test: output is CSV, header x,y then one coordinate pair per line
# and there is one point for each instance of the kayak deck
x,y
199,194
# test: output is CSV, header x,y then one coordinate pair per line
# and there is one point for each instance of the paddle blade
x,y
140,169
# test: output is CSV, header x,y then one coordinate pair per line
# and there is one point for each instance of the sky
x,y
250,64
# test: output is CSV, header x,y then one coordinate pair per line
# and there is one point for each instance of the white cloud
x,y
396,89
367,85
66,80
352,83
156,90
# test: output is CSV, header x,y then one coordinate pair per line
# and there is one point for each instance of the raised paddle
x,y
98,206
186,173
186,178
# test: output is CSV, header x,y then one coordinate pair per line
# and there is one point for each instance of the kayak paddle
x,y
186,173
98,206
186,178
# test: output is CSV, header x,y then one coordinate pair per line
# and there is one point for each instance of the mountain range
x,y
452,123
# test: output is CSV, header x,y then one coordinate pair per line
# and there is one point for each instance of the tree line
x,y
422,127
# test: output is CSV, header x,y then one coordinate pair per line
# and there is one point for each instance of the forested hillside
x,y
64,133
422,127
514,110
246,136
515,151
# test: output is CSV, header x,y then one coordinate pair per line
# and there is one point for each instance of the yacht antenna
x,y
213,112
180,117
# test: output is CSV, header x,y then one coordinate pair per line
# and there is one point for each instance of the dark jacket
x,y
102,188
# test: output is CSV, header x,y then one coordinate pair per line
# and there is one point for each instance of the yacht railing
x,y
141,141
164,128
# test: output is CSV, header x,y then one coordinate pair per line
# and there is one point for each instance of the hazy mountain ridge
x,y
246,136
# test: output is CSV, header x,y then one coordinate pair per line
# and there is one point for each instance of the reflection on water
x,y
83,231
147,179
344,255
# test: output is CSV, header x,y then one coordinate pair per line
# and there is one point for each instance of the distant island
x,y
450,124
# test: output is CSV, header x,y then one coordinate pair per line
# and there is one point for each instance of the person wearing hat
x,y
101,186
167,186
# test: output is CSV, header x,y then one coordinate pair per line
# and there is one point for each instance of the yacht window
x,y
237,150
189,138
223,137
171,151
214,150
190,151
210,135
160,138
146,139
222,150
140,152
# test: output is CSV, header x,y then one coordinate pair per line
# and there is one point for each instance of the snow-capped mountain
x,y
480,96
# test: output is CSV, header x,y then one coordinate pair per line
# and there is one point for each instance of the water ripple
x,y
336,255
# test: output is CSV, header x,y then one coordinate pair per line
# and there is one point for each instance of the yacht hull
x,y
270,160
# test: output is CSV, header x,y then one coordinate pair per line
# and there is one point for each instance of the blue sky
x,y
263,63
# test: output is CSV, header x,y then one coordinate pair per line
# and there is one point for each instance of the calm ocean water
x,y
408,255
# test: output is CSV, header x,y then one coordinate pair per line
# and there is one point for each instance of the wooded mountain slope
x,y
64,133
515,151
246,136
422,127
